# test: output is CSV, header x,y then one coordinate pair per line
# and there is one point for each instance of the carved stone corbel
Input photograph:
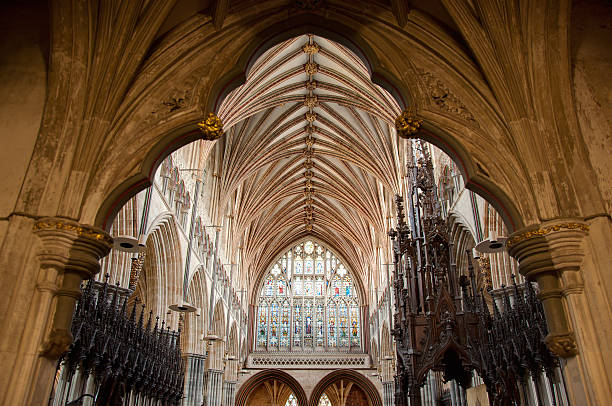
x,y
551,254
69,253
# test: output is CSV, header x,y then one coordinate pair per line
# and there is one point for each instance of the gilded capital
x,y
69,252
553,246
211,127
407,124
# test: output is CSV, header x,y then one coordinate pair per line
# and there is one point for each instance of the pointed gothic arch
x,y
270,375
214,361
196,323
479,171
342,377
160,283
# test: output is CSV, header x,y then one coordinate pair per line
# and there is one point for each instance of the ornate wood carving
x,y
442,321
125,353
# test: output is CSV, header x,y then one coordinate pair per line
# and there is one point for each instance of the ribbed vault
x,y
310,149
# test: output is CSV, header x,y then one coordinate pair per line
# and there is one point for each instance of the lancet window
x,y
308,302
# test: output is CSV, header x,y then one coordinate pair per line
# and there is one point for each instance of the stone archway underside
x,y
443,127
272,385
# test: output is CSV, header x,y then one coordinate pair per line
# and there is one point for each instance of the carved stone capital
x,y
562,345
70,252
552,246
67,244
551,254
56,343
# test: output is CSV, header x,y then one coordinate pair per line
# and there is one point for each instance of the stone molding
x,y
309,360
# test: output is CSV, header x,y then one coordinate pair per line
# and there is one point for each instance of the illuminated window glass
x,y
324,401
292,401
308,301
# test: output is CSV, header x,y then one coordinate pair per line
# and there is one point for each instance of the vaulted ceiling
x,y
310,149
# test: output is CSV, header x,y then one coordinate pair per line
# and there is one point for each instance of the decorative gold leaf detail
x,y
544,231
407,125
311,68
311,48
211,127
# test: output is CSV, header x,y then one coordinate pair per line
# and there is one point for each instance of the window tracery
x,y
308,301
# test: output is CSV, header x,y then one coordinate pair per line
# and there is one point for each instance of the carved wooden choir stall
x,y
118,356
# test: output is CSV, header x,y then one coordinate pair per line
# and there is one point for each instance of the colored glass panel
x,y
262,325
285,322
343,325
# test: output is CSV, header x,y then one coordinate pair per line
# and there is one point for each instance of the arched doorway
x,y
271,387
346,388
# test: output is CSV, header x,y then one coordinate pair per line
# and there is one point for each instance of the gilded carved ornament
x,y
86,232
527,235
311,48
311,117
407,124
211,127
311,101
311,68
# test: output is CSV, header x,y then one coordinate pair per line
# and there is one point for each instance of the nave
x,y
322,202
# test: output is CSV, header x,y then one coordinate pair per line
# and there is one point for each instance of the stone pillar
x,y
60,255
229,393
212,387
551,254
388,394
194,379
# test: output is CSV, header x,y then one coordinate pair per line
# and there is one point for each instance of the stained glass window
x,y
284,325
273,324
342,324
308,301
324,401
332,332
262,324
292,401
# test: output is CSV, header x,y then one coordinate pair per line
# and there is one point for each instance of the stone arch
x,y
320,26
161,268
250,386
346,375
478,171
463,241
385,342
374,352
386,354
118,263
232,343
231,367
196,322
214,360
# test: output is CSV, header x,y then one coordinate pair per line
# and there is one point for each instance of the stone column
x,y
60,254
388,393
212,387
194,379
551,254
229,393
